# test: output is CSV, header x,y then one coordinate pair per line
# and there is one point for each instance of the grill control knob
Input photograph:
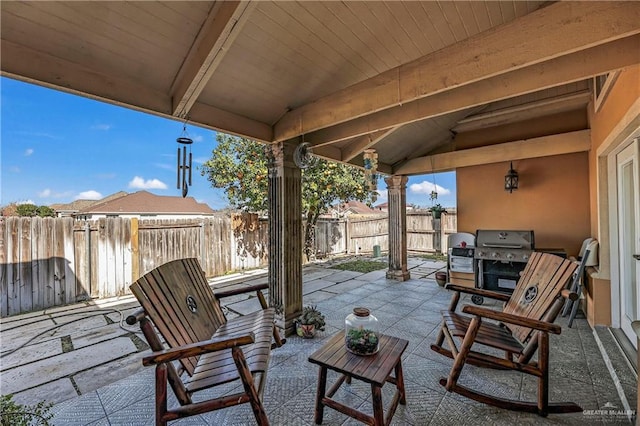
x,y
509,256
495,254
525,257
470,253
480,253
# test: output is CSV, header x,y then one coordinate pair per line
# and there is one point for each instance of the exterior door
x,y
628,188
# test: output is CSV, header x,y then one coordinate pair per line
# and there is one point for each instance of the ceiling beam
x,y
523,112
219,30
357,146
555,72
564,143
36,67
550,32
227,122
332,153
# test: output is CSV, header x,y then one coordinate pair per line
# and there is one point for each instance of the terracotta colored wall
x,y
603,123
553,199
623,94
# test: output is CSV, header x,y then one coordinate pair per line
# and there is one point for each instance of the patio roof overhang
x,y
400,77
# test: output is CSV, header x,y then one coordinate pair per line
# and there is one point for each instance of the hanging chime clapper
x,y
183,166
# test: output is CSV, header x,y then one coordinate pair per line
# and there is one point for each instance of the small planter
x,y
441,278
306,331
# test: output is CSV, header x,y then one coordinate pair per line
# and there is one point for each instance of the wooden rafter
x,y
545,146
222,26
565,69
357,146
551,32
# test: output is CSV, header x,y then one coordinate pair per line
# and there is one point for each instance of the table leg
x,y
376,397
400,382
322,385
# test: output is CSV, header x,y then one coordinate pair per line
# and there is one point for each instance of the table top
x,y
369,368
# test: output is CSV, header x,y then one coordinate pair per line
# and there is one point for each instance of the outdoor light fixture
x,y
183,167
511,179
371,169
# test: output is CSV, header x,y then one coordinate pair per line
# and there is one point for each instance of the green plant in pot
x,y
436,210
310,321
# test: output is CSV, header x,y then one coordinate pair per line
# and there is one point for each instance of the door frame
x,y
613,225
614,241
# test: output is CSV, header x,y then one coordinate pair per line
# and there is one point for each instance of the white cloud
x,y
198,138
28,152
89,195
44,193
25,202
139,183
382,195
103,127
425,187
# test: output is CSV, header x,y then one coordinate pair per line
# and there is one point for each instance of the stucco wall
x,y
608,126
552,199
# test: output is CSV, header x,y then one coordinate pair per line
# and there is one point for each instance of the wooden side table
x,y
374,369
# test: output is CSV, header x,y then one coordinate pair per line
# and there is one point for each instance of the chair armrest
x,y
199,348
504,297
136,316
513,319
234,291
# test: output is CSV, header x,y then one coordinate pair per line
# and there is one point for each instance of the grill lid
x,y
513,240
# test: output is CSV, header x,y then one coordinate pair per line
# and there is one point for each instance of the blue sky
x,y
57,148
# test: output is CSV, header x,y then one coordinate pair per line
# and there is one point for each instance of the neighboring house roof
x,y
356,207
78,205
143,202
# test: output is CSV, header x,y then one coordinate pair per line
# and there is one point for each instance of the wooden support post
x,y
285,236
397,193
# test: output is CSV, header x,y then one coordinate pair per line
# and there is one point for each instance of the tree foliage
x,y
239,167
31,210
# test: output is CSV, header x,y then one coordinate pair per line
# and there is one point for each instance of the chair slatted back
x,y
177,298
539,286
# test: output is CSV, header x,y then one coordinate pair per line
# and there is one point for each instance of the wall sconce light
x,y
511,179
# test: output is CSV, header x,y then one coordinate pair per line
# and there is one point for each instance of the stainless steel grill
x,y
500,256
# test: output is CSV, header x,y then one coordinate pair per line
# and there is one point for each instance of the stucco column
x,y
397,196
285,236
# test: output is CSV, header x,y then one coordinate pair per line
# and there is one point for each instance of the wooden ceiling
x,y
400,77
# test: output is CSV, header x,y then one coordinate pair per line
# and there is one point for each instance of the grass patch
x,y
363,266
434,256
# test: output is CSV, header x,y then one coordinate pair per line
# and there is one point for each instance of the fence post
x,y
437,236
135,250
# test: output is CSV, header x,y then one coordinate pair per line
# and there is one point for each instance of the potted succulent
x,y
436,211
309,322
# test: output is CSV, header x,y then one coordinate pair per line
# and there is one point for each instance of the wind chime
x,y
434,190
184,168
371,171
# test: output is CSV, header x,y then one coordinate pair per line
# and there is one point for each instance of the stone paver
x,y
103,363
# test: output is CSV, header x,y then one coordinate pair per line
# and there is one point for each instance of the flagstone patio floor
x,y
84,359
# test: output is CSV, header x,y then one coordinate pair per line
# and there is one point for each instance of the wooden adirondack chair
x,y
522,329
178,303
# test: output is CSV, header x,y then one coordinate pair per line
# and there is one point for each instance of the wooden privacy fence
x,y
359,234
47,262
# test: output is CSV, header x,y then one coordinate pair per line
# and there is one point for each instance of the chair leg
x,y
249,387
543,380
161,394
460,359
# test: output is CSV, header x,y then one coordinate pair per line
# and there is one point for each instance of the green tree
x,y
31,210
28,210
239,166
46,211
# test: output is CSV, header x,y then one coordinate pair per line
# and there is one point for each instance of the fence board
x,y
26,277
4,250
